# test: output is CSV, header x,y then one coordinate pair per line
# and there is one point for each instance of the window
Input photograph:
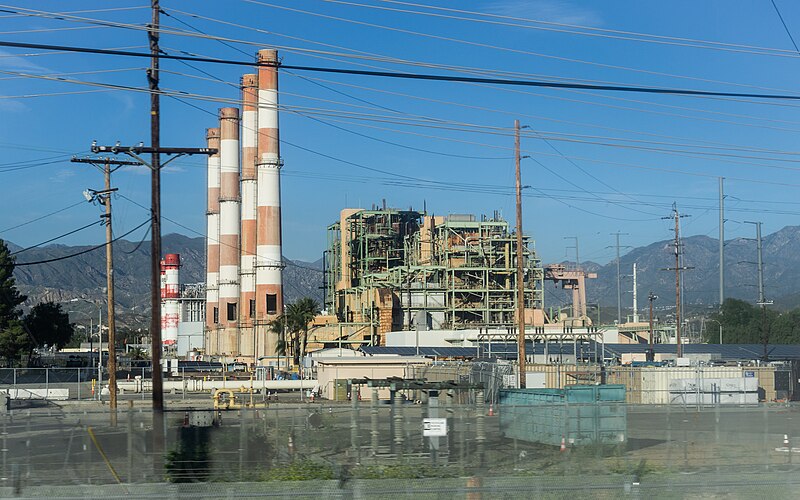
x,y
216,315
231,311
252,308
272,303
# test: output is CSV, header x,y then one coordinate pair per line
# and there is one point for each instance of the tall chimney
x,y
269,288
170,295
249,185
212,245
229,229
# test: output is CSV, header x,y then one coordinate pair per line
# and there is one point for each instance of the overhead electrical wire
x,y
37,219
130,26
240,41
88,11
474,44
656,38
76,254
362,54
414,76
517,114
785,27
370,137
450,186
697,155
95,223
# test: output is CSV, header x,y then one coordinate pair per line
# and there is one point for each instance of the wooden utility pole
x,y
155,241
520,268
112,329
104,197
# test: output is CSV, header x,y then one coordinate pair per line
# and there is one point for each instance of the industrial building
x,y
388,270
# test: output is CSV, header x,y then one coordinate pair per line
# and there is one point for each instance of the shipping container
x,y
577,415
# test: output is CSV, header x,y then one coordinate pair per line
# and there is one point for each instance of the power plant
x,y
388,270
244,290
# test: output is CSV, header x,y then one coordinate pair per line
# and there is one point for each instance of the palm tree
x,y
298,316
278,325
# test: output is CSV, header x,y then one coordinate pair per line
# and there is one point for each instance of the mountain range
x,y
81,279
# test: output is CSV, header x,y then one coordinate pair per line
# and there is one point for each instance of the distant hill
x,y
84,276
781,255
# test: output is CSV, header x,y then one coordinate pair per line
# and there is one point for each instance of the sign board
x,y
749,374
433,427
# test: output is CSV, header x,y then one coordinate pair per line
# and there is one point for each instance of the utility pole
x,y
619,291
762,301
520,272
721,243
155,240
651,354
678,268
105,198
112,335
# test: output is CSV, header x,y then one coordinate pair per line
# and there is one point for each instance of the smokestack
x,y
170,293
269,288
229,228
249,185
212,242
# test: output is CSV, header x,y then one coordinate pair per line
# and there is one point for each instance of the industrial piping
x,y
249,193
229,229
269,267
212,245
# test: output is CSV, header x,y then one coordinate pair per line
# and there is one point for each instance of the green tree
x,y
13,339
278,326
47,324
298,315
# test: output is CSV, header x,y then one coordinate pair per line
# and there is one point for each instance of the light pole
x,y
720,328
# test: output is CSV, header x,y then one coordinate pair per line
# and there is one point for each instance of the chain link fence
x,y
372,448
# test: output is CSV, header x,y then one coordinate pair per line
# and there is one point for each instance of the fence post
x,y
480,429
78,376
130,441
374,433
354,418
47,383
398,422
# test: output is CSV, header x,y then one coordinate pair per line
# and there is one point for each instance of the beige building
x,y
333,373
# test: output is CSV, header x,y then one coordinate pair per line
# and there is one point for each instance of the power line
x,y
414,76
785,27
58,237
43,217
663,39
64,257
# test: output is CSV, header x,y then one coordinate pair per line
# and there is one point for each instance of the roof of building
x,y
439,352
508,350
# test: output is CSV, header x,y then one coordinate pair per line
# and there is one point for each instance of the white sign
x,y
433,427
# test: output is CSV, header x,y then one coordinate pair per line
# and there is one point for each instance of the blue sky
x,y
610,162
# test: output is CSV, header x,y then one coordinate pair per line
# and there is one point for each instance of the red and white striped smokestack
x,y
170,293
229,227
249,185
212,240
269,287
